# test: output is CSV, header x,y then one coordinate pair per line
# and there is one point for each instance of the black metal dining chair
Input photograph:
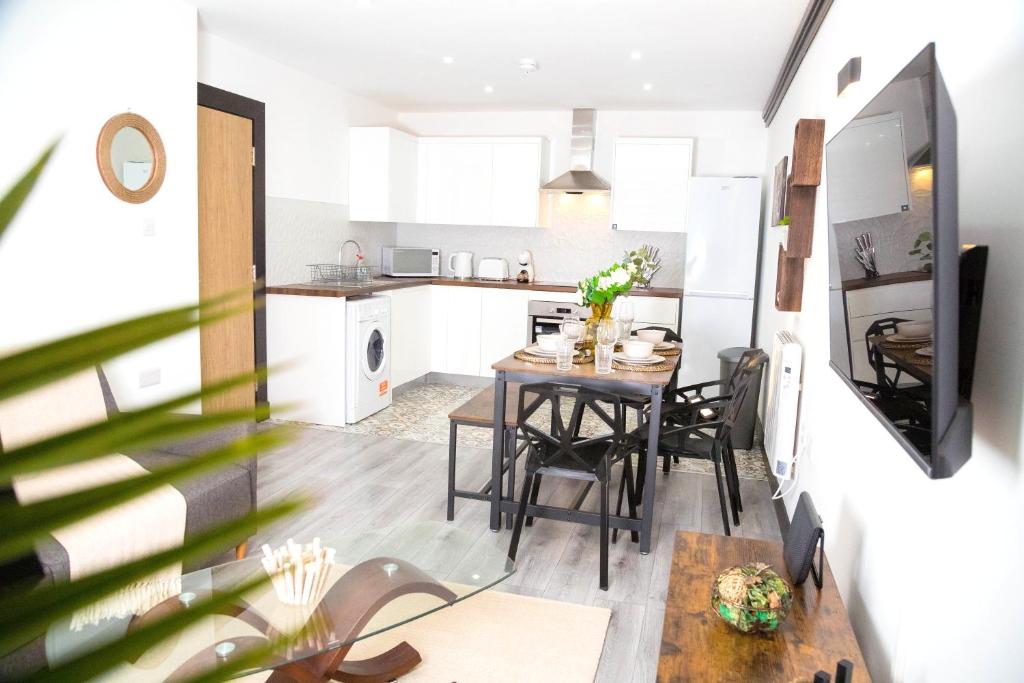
x,y
558,450
686,434
882,327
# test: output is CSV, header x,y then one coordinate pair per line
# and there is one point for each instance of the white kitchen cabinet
x,y
503,325
383,175
907,300
867,169
515,182
655,310
411,324
455,181
650,183
462,349
479,181
438,328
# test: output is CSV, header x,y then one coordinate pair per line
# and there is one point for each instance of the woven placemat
x,y
658,367
581,359
674,351
906,345
920,360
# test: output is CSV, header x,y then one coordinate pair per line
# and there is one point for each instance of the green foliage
x,y
643,263
602,288
751,597
923,246
784,221
26,611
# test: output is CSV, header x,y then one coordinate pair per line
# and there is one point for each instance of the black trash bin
x,y
743,431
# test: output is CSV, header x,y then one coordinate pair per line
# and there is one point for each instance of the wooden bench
x,y
479,412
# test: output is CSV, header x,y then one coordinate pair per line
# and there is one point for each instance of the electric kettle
x,y
460,264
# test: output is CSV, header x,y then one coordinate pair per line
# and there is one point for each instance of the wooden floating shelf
x,y
789,282
802,192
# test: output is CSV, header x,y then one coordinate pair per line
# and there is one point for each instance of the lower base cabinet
x,y
411,322
503,326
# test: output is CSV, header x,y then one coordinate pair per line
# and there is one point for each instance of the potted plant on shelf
x,y
599,292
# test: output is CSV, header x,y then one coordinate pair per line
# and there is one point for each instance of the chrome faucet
x,y
341,252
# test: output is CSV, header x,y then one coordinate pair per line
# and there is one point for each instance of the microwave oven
x,y
410,262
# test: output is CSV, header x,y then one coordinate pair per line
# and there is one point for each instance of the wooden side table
x,y
696,645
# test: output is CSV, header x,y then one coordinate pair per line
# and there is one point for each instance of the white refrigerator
x,y
722,234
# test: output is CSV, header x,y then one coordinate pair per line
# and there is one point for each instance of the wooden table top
x,y
697,645
587,371
904,356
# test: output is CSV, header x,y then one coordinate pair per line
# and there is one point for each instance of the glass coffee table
x,y
380,580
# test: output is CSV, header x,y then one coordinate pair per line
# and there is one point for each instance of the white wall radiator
x,y
783,410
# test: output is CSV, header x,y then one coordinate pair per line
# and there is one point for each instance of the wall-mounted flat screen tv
x,y
904,294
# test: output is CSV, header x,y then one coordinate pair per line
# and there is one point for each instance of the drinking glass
x,y
606,332
603,358
622,330
572,328
564,352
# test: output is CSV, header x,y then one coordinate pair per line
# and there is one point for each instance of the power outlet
x,y
148,378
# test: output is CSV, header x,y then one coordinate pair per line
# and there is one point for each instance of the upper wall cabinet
x,y
867,165
650,183
480,181
382,175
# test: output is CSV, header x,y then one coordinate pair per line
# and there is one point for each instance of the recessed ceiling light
x,y
636,55
448,60
647,86
488,89
528,65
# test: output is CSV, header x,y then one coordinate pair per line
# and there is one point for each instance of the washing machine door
x,y
374,352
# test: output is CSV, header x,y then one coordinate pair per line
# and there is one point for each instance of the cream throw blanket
x,y
145,525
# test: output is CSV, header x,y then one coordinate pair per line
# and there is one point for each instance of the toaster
x,y
492,268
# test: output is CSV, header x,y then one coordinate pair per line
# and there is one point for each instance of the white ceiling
x,y
697,54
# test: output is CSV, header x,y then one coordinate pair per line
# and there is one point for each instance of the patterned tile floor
x,y
420,413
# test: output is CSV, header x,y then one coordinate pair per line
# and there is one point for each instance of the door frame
x,y
254,110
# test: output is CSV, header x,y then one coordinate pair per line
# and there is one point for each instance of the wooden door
x,y
227,348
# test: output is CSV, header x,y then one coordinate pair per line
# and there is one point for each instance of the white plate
x,y
537,351
664,346
900,338
650,360
925,351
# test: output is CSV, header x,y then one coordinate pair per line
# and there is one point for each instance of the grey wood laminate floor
x,y
357,483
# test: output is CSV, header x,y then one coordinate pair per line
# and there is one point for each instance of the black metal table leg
x,y
452,440
510,458
654,433
497,449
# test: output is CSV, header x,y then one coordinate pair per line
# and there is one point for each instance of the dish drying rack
x,y
332,273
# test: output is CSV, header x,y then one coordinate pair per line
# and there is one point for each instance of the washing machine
x,y
367,356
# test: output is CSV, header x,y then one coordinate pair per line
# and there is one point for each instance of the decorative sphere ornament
x,y
751,598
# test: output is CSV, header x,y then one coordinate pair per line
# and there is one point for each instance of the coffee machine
x,y
525,273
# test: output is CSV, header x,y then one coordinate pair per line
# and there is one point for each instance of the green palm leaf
x,y
25,615
15,197
31,368
26,524
136,643
129,431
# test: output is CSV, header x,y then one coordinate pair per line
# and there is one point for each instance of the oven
x,y
544,317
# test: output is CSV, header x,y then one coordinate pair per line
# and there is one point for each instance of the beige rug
x,y
420,413
499,637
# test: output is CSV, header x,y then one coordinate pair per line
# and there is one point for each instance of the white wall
x,y
76,256
928,569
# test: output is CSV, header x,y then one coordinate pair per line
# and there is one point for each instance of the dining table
x,y
628,383
905,357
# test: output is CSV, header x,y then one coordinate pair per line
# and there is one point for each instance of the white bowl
x,y
638,349
549,342
653,336
914,328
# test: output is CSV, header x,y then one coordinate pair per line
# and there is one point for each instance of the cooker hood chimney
x,y
580,177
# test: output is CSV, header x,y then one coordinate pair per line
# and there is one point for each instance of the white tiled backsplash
x,y
301,232
578,243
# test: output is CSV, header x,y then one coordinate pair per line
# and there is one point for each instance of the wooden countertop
x,y
386,283
696,645
888,279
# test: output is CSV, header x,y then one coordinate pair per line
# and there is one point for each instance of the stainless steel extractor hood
x,y
580,177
